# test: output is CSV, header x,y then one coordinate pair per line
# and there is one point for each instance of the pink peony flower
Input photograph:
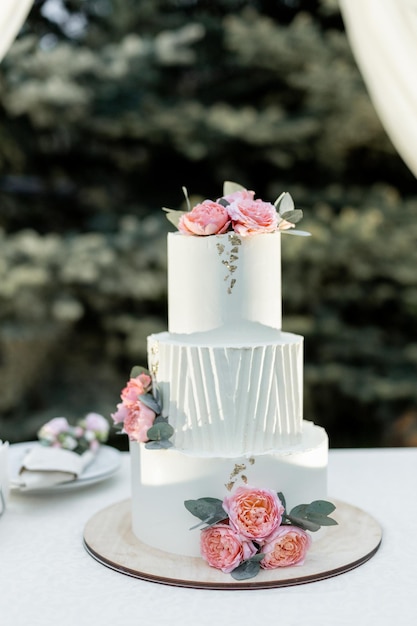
x,y
223,548
136,387
207,218
121,414
135,416
250,216
138,421
288,545
254,513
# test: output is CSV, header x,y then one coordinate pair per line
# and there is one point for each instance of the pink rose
x,y
251,216
138,421
254,513
222,547
135,416
121,414
136,387
288,545
207,218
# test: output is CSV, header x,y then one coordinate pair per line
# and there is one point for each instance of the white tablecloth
x,y
47,577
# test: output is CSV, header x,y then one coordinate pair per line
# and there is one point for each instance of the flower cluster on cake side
x,y
138,414
251,530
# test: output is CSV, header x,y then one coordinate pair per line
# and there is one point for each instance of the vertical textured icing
x,y
230,398
224,279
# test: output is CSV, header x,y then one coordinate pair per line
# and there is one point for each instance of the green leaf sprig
x,y
310,516
209,510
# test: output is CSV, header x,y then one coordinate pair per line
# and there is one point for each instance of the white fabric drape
x,y
383,37
12,15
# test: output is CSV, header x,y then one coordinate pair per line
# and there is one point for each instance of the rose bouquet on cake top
x,y
237,211
251,530
139,412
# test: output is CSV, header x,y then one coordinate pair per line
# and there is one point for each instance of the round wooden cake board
x,y
109,539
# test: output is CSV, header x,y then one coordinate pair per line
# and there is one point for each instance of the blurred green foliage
x,y
108,107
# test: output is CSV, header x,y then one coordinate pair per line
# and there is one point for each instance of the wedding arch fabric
x,y
12,15
383,38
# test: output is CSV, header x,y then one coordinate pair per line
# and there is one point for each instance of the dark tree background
x,y
109,107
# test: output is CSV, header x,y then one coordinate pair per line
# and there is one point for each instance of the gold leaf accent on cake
x,y
251,460
229,486
232,284
235,239
239,467
230,262
154,364
244,478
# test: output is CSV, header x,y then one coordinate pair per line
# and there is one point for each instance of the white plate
x,y
106,462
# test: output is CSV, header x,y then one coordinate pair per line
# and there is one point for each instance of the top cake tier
x,y
223,280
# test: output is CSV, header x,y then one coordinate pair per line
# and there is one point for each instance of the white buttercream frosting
x,y
230,393
223,280
163,479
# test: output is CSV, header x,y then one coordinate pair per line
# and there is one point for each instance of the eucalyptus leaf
x,y
158,445
292,216
293,231
247,569
208,510
284,203
282,499
173,215
137,370
187,199
303,523
322,506
312,516
148,400
229,187
160,431
156,394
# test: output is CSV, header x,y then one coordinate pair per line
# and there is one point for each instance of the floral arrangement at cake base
x,y
138,415
250,530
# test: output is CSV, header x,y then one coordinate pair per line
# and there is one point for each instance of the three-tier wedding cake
x,y
218,415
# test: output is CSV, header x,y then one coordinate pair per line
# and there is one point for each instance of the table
x,y
47,577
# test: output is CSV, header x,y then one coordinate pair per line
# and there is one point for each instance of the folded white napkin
x,y
4,474
44,467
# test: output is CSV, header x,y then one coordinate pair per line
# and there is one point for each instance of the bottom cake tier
x,y
162,480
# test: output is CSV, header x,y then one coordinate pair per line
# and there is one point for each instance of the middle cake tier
x,y
230,395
